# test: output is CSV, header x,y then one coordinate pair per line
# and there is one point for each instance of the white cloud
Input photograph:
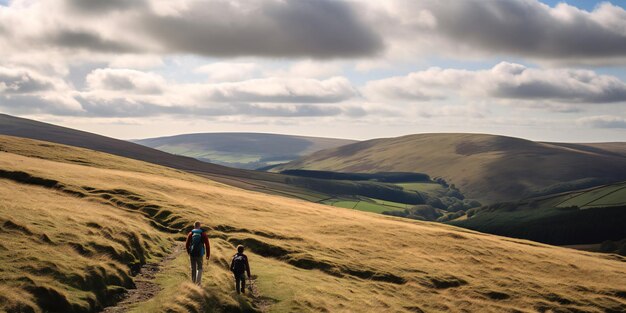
x,y
272,28
603,121
23,81
467,111
125,80
308,68
136,61
321,29
25,90
503,81
269,28
523,28
131,93
288,58
229,71
301,90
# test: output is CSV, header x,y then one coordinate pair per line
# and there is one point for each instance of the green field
x,y
374,207
341,203
558,226
366,204
398,199
431,188
597,197
391,204
587,216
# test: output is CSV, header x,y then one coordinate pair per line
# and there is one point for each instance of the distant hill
x,y
588,216
242,150
252,180
21,127
271,183
489,168
333,192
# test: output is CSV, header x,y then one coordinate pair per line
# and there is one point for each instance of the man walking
x,y
239,266
197,245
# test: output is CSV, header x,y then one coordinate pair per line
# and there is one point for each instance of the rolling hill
x,y
242,150
21,127
309,189
485,167
251,180
89,219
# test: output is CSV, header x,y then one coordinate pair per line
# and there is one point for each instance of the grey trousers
x,y
196,269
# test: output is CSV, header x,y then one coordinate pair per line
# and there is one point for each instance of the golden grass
x,y
308,257
67,251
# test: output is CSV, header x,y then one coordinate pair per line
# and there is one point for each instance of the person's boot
x,y
199,278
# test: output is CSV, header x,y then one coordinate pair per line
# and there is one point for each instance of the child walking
x,y
239,266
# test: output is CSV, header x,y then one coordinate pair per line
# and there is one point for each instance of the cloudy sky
x,y
551,70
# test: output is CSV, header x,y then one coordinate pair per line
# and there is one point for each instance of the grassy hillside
x,y
242,150
309,189
484,167
251,180
588,216
20,127
76,222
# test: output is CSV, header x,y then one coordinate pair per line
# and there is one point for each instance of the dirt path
x,y
258,301
146,288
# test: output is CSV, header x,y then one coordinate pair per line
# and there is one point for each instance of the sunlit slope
x,y
20,127
242,150
308,257
485,167
251,180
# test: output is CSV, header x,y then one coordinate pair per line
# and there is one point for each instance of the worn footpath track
x,y
146,287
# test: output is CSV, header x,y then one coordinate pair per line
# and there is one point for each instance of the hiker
x,y
197,245
239,265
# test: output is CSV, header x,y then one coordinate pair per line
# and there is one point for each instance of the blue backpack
x,y
196,248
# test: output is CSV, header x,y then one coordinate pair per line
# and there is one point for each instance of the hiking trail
x,y
259,302
145,286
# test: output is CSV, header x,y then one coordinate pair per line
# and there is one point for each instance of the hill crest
x,y
486,167
242,150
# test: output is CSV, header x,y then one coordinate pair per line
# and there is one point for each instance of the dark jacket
x,y
245,259
205,240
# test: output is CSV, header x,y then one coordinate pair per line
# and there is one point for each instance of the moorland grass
x,y
307,257
68,255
